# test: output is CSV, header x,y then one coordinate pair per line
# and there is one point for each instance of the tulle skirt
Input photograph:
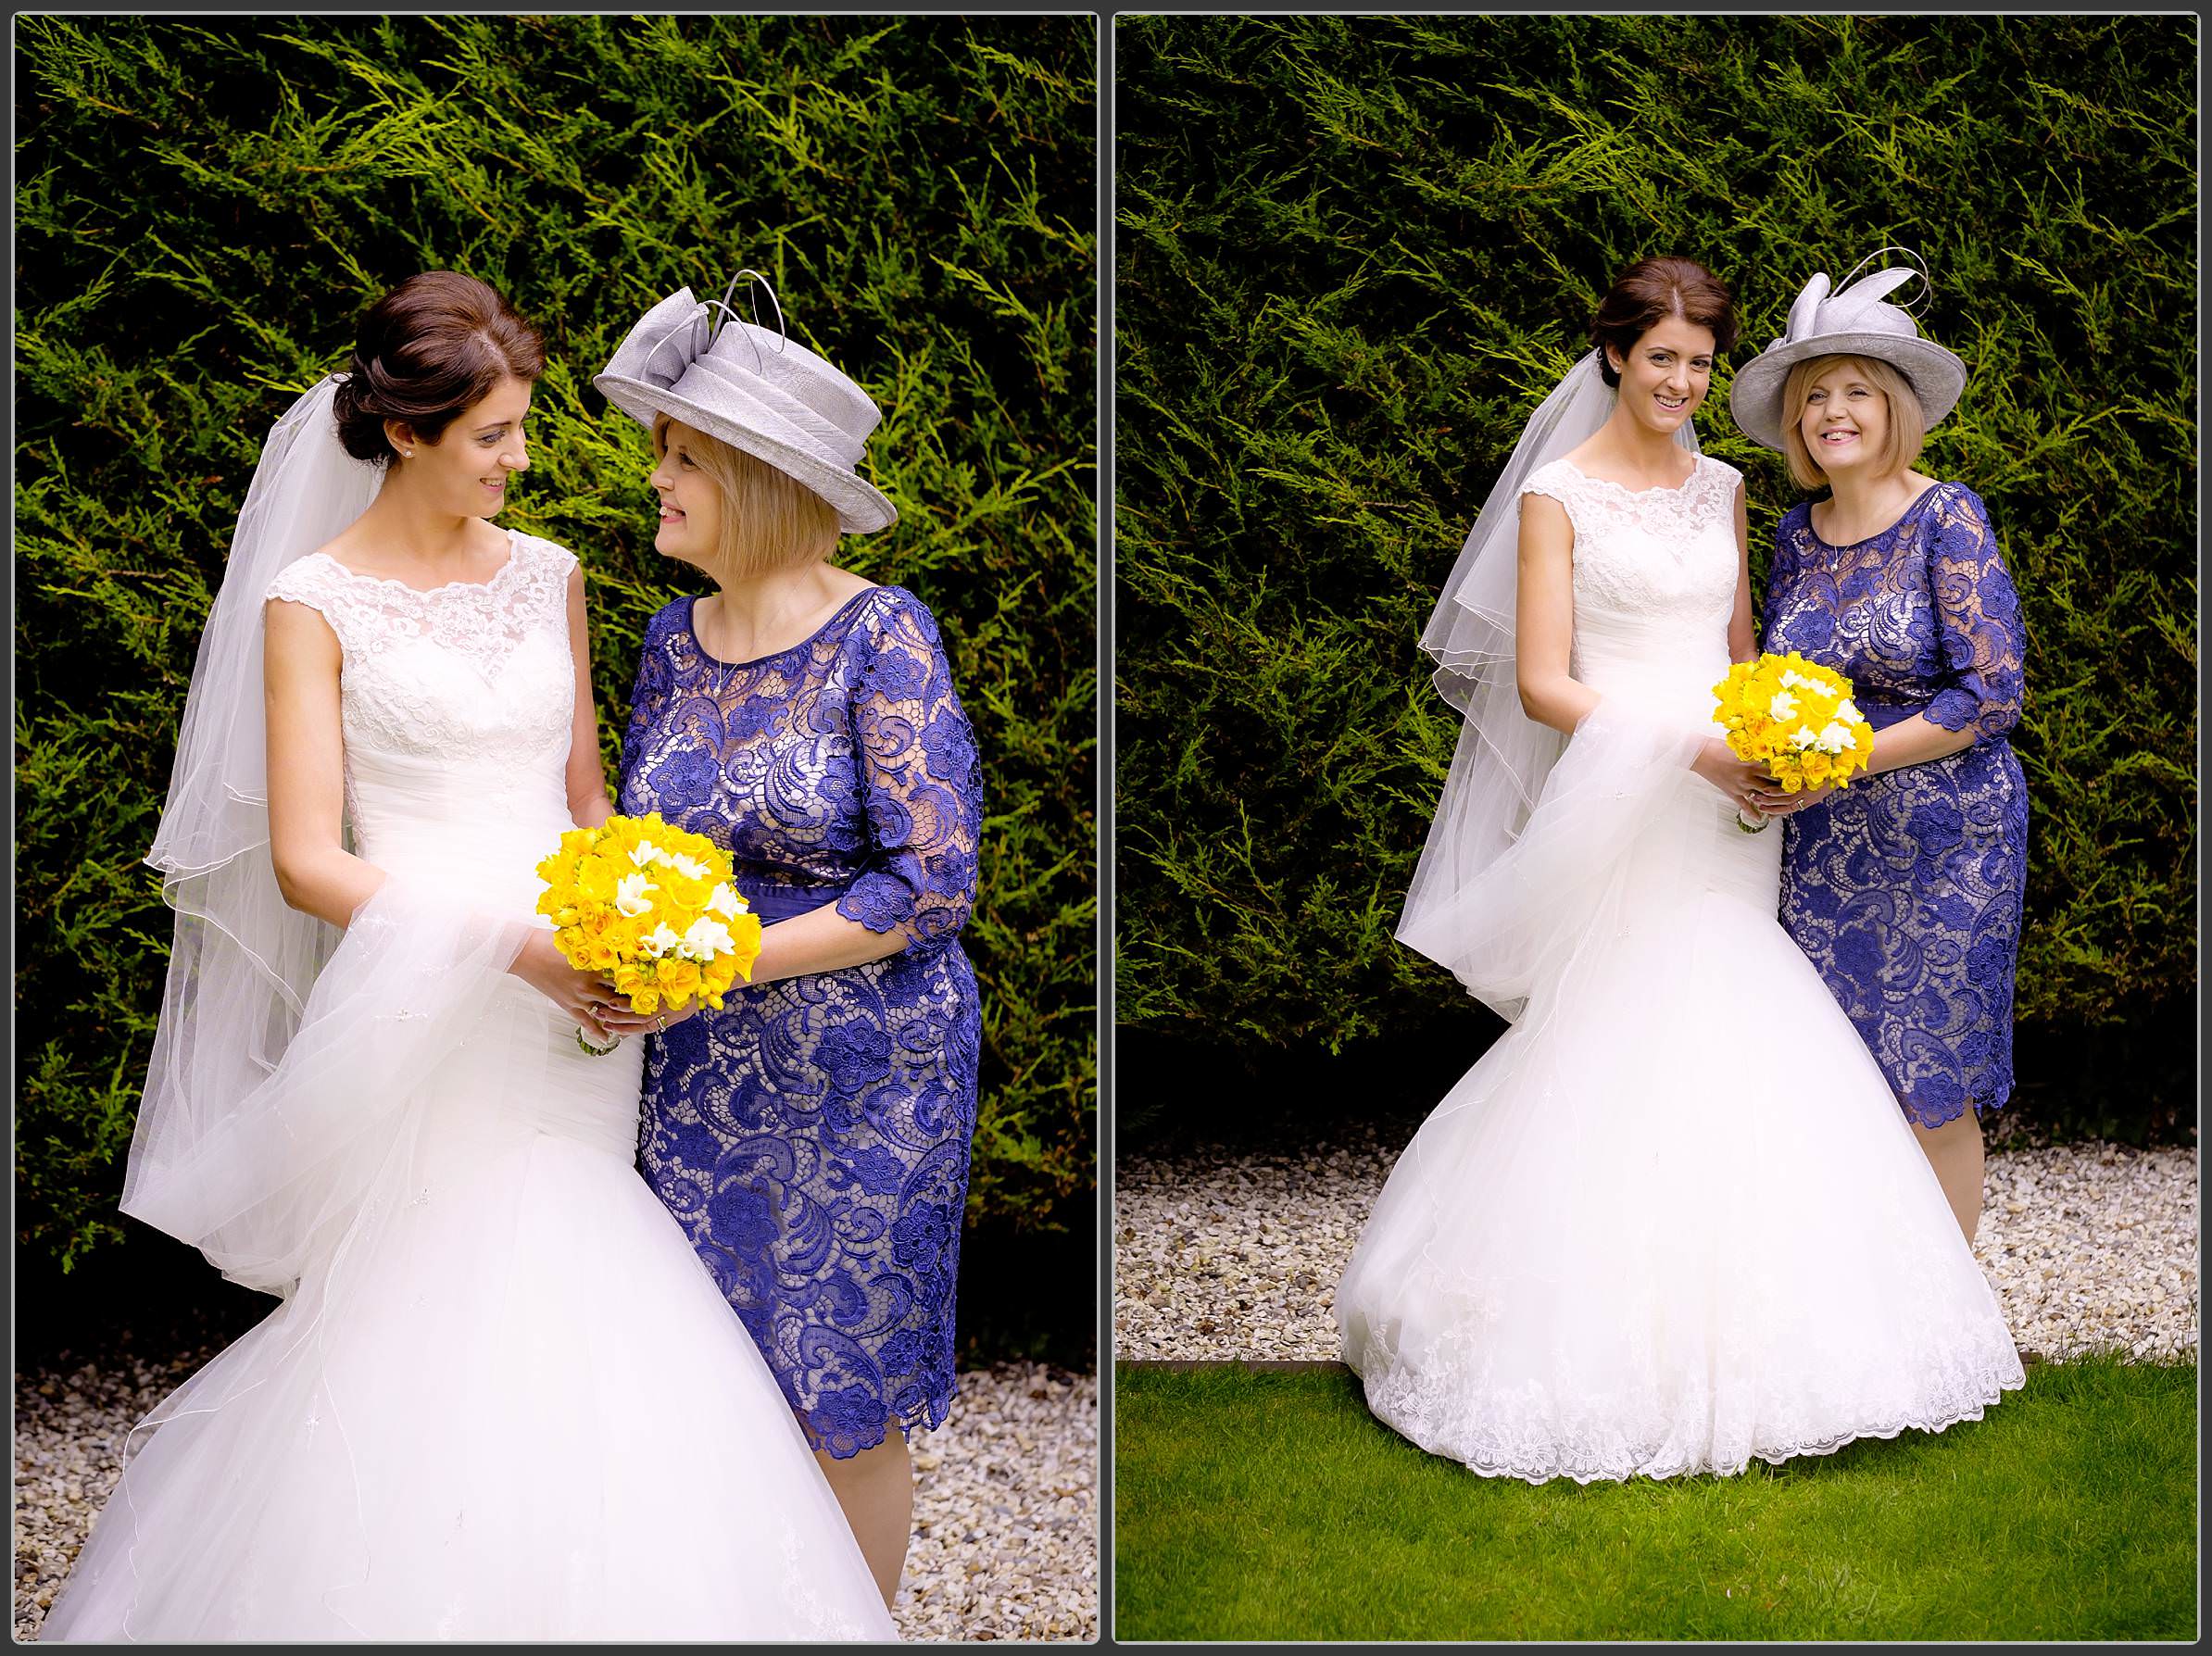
x,y
1673,1220
509,1405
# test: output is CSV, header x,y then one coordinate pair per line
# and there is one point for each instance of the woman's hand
x,y
1779,804
667,1018
1746,786
600,1012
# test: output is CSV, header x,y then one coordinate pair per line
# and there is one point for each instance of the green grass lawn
x,y
1271,1505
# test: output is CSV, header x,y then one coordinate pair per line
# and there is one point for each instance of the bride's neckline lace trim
x,y
1697,465
496,579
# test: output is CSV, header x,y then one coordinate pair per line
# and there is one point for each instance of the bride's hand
x,y
600,1012
1744,783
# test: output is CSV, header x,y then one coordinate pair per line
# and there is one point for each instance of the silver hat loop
x,y
704,326
1919,268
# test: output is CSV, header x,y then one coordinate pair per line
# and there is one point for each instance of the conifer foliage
x,y
205,206
1351,255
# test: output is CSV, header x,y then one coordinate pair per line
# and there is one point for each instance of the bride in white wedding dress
x,y
1672,1220
501,1398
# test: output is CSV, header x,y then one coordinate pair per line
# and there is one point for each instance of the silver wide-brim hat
x,y
1853,321
756,389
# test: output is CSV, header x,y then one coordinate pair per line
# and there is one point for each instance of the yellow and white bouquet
x,y
651,907
1796,717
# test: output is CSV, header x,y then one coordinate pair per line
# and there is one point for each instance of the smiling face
x,y
1664,375
691,500
1845,424
467,470
1855,417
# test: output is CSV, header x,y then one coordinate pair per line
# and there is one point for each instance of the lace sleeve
x,y
1978,620
303,581
919,778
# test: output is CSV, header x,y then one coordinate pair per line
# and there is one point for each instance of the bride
x,y
1671,1220
500,1397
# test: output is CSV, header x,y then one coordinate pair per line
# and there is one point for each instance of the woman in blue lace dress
x,y
1905,888
813,1134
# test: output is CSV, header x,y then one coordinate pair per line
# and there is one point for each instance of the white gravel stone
x,y
1226,1253
1006,1508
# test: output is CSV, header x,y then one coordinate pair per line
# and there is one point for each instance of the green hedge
x,y
205,209
1354,252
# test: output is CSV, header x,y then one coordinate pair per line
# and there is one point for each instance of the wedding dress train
x,y
1673,1220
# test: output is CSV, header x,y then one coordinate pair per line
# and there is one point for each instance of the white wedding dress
x,y
1672,1219
506,1400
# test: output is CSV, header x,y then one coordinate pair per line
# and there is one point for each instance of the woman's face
x,y
1665,373
690,503
466,471
1845,422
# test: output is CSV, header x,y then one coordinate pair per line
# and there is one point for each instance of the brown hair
x,y
768,518
1908,425
1651,289
433,347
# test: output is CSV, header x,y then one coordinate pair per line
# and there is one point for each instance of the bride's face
x,y
467,470
1665,373
690,502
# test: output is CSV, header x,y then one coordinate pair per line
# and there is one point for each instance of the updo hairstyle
x,y
1653,288
433,347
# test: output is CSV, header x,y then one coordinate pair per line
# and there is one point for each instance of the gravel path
x,y
1234,1253
1006,1511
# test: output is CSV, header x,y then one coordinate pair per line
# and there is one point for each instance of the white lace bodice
x,y
456,705
1655,574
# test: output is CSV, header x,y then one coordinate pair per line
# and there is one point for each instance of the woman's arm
x,y
588,804
919,779
1981,637
1743,636
1544,618
307,766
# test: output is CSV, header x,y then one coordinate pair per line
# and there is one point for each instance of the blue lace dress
x,y
813,1134
1905,888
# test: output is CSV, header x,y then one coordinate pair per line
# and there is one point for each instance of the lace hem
x,y
1397,1398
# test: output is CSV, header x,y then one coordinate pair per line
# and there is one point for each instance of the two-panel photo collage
x,y
1077,829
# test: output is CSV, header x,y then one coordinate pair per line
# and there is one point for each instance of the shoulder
x,y
551,556
1554,478
672,617
1718,473
1951,511
314,581
886,616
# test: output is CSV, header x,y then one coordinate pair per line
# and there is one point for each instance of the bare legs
x,y
876,1489
1954,1150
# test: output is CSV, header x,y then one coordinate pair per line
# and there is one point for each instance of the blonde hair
x,y
768,518
1908,426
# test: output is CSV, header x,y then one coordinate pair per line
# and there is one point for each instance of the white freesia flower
x,y
1784,704
1794,679
707,938
690,868
645,853
1835,738
660,941
724,902
633,896
1847,710
1802,738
